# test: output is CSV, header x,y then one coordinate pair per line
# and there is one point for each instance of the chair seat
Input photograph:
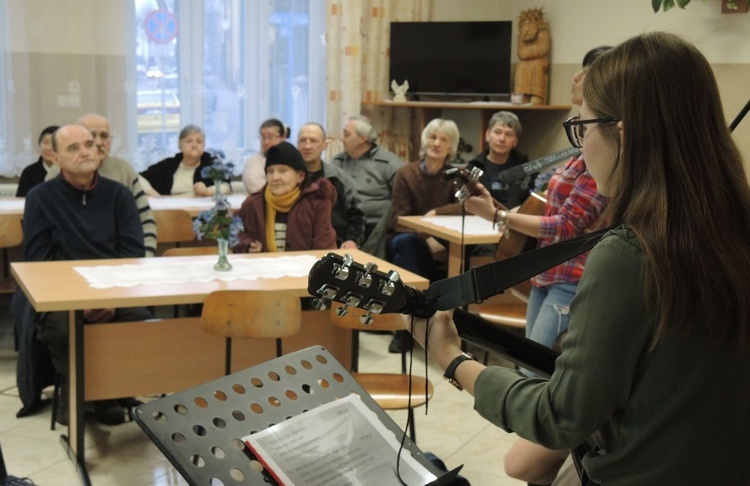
x,y
513,315
391,390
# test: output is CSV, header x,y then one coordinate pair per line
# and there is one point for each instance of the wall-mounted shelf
x,y
476,105
538,120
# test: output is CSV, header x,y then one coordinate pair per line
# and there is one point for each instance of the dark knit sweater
x,y
62,222
31,176
415,193
161,174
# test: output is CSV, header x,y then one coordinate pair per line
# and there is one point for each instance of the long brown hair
x,y
679,183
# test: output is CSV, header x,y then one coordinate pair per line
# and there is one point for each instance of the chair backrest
x,y
252,313
380,322
11,230
173,226
192,250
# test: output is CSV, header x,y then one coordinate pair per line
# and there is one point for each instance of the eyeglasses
x,y
575,128
269,138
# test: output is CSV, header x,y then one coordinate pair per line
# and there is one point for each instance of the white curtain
x,y
358,44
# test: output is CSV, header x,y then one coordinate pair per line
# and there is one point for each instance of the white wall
x,y
578,25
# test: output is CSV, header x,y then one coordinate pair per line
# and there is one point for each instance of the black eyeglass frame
x,y
573,122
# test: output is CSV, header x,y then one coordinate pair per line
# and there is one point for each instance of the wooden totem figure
x,y
532,71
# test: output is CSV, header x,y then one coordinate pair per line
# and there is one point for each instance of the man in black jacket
x,y
503,132
347,218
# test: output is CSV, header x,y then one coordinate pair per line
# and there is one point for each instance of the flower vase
x,y
223,264
217,189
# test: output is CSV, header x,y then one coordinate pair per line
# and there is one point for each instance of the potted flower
x,y
219,171
221,225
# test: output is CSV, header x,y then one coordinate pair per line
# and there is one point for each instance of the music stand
x,y
199,430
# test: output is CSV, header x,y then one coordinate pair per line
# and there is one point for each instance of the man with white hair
x,y
118,170
372,169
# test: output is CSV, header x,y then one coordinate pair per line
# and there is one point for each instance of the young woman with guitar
x,y
658,351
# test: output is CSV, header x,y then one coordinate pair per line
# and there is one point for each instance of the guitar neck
x,y
511,346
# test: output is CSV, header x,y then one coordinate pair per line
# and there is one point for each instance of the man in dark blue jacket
x,y
80,215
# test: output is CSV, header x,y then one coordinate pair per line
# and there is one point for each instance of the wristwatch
x,y
450,371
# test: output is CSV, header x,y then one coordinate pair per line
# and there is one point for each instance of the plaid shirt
x,y
573,206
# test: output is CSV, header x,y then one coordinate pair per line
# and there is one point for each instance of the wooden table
x,y
457,241
118,360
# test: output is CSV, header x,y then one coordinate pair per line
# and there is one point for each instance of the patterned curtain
x,y
357,53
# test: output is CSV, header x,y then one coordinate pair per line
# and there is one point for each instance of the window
x,y
225,65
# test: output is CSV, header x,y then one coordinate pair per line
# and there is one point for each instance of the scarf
x,y
282,204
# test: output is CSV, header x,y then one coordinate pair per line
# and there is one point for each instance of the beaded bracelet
x,y
500,220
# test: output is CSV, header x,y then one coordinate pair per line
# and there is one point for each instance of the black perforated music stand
x,y
200,430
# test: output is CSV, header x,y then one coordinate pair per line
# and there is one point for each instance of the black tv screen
x,y
464,58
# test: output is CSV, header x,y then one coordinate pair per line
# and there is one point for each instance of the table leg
x,y
74,442
455,258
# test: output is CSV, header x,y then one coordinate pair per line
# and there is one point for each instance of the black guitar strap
x,y
494,278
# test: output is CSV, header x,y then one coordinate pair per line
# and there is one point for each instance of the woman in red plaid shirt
x,y
573,206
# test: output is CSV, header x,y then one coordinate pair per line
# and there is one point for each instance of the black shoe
x,y
129,402
401,343
109,412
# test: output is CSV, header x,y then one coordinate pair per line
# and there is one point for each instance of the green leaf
x,y
682,3
655,4
668,4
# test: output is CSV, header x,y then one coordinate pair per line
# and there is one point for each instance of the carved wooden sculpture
x,y
532,71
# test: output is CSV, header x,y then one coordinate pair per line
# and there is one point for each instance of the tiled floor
x,y
123,455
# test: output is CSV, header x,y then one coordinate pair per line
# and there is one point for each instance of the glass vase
x,y
223,264
217,190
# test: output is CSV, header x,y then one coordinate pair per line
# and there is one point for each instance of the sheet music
x,y
336,444
474,225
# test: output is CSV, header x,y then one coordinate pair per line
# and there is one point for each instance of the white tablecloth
x,y
160,271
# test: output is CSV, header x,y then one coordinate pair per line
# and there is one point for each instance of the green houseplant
x,y
668,4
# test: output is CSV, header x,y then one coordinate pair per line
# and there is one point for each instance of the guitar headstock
x,y
341,279
465,180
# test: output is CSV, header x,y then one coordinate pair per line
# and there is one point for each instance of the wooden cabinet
x,y
538,120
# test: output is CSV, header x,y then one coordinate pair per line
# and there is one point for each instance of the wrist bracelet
x,y
501,219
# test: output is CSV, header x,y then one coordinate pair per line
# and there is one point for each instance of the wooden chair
x,y
390,390
251,314
173,226
507,309
11,235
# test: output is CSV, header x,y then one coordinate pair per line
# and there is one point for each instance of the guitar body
x,y
514,243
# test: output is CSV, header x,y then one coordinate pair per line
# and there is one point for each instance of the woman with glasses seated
x,y
654,367
272,132
181,175
291,213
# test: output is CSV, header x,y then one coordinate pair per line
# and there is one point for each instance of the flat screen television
x,y
452,58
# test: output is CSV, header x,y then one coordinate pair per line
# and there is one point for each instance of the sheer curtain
x,y
230,65
358,43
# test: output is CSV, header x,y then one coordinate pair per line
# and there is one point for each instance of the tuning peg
x,y
365,280
352,299
374,307
342,271
475,173
320,304
328,291
388,287
366,318
342,311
